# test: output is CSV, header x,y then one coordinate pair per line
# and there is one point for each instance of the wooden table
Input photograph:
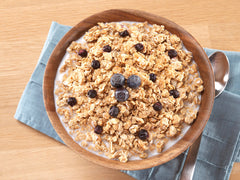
x,y
27,154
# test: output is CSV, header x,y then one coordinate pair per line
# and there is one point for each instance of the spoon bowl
x,y
220,65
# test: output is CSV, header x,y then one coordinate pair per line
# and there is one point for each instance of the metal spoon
x,y
220,65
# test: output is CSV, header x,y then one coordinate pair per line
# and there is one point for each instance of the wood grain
x,y
191,44
28,154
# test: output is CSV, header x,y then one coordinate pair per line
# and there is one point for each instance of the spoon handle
x,y
190,162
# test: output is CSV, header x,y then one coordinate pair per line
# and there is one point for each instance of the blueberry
x,y
121,94
124,33
98,129
157,106
95,64
83,53
72,101
134,81
153,77
114,110
143,134
92,93
117,80
175,93
172,53
107,48
139,46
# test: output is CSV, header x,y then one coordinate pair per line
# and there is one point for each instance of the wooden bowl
x,y
131,15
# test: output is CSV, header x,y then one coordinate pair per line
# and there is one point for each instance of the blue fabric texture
x,y
220,144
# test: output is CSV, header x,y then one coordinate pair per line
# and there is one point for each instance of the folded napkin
x,y
220,144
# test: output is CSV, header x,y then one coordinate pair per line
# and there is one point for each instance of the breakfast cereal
x,y
128,89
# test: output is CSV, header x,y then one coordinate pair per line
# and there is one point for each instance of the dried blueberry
x,y
92,93
121,94
157,106
174,93
124,33
107,48
83,53
134,81
114,110
95,64
72,101
172,53
153,77
98,129
117,80
139,46
143,134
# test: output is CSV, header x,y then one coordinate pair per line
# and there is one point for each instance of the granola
x,y
127,89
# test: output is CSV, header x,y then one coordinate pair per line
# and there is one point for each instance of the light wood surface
x,y
28,154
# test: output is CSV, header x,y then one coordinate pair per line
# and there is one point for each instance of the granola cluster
x,y
168,95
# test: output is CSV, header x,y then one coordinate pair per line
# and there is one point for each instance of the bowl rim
x,y
128,14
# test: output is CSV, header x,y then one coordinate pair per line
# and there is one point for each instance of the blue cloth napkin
x,y
220,144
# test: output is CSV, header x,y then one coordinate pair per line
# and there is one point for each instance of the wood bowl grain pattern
x,y
131,15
